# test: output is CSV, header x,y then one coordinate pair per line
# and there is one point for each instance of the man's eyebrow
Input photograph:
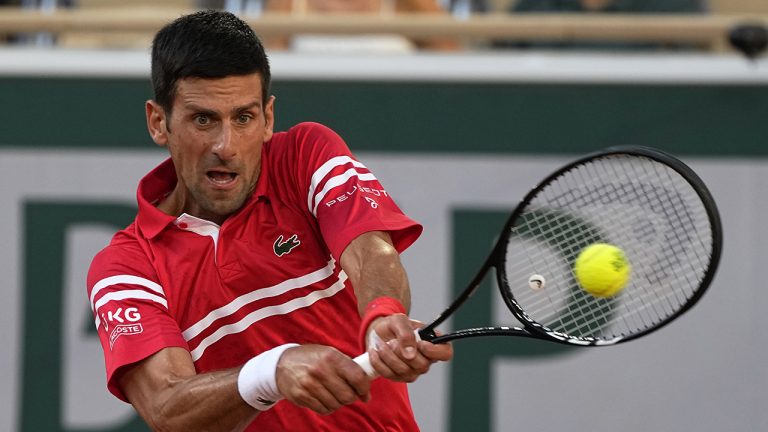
x,y
246,107
198,109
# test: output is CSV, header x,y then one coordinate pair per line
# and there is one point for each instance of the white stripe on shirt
x,y
275,290
124,279
260,314
323,171
123,295
336,181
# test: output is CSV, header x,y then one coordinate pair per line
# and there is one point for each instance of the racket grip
x,y
364,361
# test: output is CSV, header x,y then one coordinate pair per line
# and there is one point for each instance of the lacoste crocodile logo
x,y
284,247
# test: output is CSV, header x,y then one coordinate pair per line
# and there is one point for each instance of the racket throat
x,y
427,333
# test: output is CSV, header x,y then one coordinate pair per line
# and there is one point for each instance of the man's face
x,y
215,134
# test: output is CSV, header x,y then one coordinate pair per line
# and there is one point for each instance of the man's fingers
x,y
321,378
379,366
400,354
398,327
335,393
318,400
436,352
353,384
415,324
389,364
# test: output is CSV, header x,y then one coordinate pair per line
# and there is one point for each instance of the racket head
x,y
646,202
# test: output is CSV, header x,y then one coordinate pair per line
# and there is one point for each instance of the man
x,y
258,262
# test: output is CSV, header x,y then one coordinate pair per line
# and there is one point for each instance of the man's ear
x,y
156,123
269,117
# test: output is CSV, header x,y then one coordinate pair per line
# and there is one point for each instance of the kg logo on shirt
x,y
282,247
131,314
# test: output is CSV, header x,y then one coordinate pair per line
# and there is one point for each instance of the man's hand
x,y
321,378
399,355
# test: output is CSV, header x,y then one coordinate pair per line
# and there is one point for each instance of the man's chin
x,y
223,209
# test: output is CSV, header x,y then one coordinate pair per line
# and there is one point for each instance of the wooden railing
x,y
707,30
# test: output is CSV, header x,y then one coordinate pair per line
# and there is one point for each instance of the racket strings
x,y
638,204
650,313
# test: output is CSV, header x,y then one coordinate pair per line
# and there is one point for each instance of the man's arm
x,y
169,395
373,266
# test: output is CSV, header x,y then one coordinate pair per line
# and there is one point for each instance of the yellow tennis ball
x,y
602,270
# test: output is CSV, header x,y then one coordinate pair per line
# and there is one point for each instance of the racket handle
x,y
364,359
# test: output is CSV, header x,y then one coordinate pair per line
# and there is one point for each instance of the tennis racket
x,y
644,201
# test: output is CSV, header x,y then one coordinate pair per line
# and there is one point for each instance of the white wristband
x,y
257,383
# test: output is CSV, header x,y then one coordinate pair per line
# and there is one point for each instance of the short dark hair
x,y
205,44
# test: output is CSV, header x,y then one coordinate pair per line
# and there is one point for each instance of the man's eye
x,y
244,118
202,120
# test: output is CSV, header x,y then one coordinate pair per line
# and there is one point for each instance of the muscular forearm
x,y
208,401
374,268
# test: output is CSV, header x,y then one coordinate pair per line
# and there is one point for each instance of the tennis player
x,y
258,262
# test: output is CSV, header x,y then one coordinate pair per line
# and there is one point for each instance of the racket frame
x,y
497,257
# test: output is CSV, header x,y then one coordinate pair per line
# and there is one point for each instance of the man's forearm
x,y
374,268
208,401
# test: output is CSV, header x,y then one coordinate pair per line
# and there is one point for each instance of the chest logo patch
x,y
283,247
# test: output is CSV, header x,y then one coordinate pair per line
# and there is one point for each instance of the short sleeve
x,y
130,309
344,196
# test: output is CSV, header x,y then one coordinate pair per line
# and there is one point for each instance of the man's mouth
x,y
221,178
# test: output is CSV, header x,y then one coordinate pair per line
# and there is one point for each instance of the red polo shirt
x,y
268,276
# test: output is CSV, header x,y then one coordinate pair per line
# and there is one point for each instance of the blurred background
x,y
459,107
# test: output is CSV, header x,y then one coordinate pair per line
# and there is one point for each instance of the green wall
x,y
421,117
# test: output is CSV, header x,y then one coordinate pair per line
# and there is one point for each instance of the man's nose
x,y
225,147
